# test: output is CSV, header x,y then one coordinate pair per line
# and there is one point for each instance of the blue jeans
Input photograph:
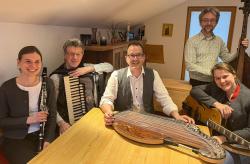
x,y
232,158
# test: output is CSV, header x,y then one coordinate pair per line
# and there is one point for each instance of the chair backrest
x,y
101,85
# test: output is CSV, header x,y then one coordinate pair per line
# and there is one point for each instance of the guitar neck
x,y
230,135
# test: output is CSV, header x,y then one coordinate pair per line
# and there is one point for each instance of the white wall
x,y
173,46
48,39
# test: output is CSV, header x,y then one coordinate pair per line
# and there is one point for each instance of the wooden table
x,y
89,141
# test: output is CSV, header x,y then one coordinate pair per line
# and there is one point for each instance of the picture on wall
x,y
167,29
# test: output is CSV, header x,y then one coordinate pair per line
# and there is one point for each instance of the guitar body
x,y
200,112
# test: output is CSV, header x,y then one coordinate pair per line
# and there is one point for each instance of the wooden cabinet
x,y
178,90
114,54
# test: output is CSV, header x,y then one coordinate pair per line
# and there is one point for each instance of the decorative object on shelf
x,y
141,32
103,41
113,30
167,29
98,37
128,32
86,39
122,35
130,36
93,39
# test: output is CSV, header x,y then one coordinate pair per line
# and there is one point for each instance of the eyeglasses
x,y
133,56
209,20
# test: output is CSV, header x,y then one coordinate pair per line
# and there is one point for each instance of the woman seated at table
x,y
232,99
19,109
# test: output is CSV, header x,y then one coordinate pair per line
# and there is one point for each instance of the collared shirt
x,y
201,54
136,84
136,89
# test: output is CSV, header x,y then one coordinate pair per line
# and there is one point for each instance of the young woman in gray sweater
x,y
19,103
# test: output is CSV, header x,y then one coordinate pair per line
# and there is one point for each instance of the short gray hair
x,y
72,43
212,10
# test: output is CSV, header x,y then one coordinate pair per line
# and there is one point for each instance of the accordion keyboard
x,y
75,96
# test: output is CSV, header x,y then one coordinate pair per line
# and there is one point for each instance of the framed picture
x,y
167,29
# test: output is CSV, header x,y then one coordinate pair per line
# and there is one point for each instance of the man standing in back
x,y
202,50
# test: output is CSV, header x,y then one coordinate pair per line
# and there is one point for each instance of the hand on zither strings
x,y
184,118
109,118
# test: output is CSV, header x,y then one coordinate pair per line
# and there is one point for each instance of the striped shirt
x,y
201,54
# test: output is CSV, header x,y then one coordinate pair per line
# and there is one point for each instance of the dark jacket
x,y
239,121
14,104
87,80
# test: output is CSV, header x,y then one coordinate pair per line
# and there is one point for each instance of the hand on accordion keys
x,y
38,117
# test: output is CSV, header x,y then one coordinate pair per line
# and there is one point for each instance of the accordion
x,y
79,96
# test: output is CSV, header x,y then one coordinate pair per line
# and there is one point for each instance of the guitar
x,y
200,112
212,118
242,147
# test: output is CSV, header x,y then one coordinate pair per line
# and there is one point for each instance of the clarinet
x,y
42,107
